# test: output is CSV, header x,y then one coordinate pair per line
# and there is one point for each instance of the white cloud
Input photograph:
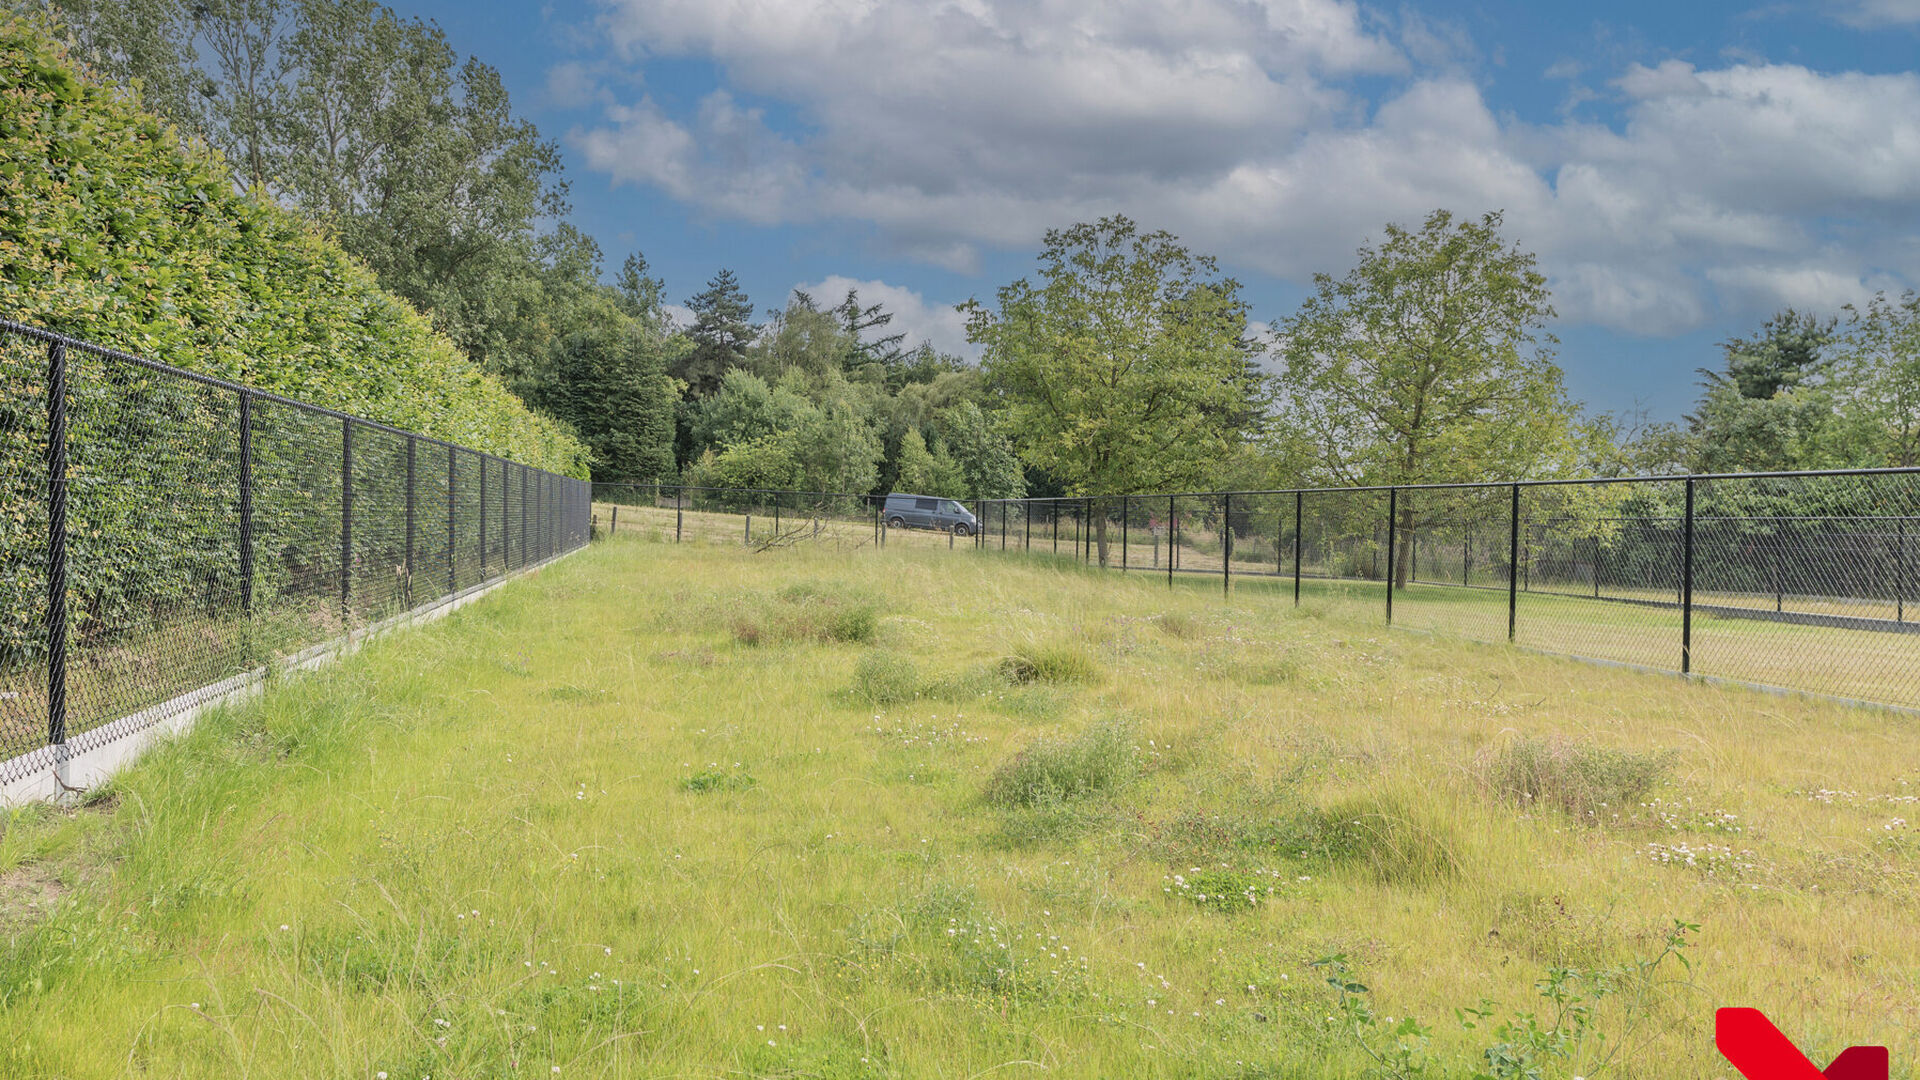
x,y
954,126
1870,13
934,324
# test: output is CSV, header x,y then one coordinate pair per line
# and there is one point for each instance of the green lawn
x,y
665,811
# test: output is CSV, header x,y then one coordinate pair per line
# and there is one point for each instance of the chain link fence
x,y
1799,581
165,532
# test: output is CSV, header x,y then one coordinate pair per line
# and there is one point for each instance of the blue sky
x,y
1682,168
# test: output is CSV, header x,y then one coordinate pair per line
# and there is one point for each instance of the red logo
x,y
1749,1040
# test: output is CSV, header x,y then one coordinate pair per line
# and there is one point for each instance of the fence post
x,y
246,501
614,527
406,592
1513,568
747,540
526,527
1226,545
56,543
1596,566
1686,590
1299,499
1126,504
1173,525
453,574
1393,544
483,517
679,510
346,520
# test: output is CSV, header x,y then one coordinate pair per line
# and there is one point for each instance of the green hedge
x,y
115,230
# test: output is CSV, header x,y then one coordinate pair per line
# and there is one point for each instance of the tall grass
x,y
587,824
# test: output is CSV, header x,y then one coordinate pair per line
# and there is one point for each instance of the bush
x,y
1049,663
1585,781
885,678
1099,761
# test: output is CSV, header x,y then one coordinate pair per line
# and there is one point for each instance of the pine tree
x,y
722,330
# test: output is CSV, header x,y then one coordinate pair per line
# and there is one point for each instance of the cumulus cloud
x,y
954,126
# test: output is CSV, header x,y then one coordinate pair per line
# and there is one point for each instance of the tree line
x,y
1126,363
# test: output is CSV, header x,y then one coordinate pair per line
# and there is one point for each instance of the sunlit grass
x,y
585,824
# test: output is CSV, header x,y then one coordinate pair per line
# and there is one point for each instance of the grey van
x,y
930,512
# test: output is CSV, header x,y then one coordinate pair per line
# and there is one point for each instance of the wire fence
x,y
1799,581
162,532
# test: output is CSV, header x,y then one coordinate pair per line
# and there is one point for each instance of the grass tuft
x,y
885,677
1588,782
1099,761
1055,663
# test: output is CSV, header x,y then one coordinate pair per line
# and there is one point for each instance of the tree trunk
x,y
1403,561
1099,507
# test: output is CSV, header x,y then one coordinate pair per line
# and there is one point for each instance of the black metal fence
x,y
162,531
1804,581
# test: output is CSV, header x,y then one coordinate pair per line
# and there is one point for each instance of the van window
x,y
925,504
955,508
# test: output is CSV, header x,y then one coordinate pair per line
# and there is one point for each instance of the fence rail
x,y
1800,581
162,531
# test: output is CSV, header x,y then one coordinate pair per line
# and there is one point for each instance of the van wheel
x,y
896,523
962,529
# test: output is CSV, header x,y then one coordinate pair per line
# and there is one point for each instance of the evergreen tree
x,y
609,380
722,330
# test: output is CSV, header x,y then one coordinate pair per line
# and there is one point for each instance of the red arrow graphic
x,y
1749,1040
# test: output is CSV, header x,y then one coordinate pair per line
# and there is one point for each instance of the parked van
x,y
928,512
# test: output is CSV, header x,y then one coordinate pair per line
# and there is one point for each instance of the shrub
x,y
1099,761
1583,780
883,677
1048,663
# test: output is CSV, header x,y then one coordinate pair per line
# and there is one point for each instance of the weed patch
x,y
1222,889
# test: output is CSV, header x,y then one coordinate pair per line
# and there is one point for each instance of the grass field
x,y
692,810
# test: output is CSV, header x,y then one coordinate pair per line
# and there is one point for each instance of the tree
x,y
722,329
929,472
982,451
1880,364
609,380
1784,354
370,124
1125,367
1429,362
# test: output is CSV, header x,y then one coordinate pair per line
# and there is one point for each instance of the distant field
x,y
825,811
